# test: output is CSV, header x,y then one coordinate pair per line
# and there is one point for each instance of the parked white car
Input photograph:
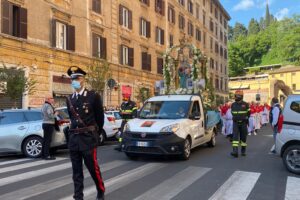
x,y
117,116
288,141
110,129
21,132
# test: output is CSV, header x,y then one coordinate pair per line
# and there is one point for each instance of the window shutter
x,y
162,7
162,37
129,19
121,54
23,23
156,5
94,5
141,26
6,17
156,34
94,45
148,29
173,16
70,38
103,47
144,60
53,34
120,14
149,62
159,65
131,57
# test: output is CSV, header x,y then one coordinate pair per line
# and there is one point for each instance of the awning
x,y
242,87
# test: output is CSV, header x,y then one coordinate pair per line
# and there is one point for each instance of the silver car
x,y
21,132
288,141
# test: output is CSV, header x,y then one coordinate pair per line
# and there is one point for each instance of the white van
x,y
168,125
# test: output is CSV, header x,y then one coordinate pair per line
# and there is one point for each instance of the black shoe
x,y
234,154
243,151
49,158
100,197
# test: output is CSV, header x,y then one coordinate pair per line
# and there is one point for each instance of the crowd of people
x,y
259,116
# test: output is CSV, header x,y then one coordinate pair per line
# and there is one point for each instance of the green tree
x,y
253,27
239,30
14,83
97,76
267,17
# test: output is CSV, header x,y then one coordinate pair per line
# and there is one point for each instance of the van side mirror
x,y
195,116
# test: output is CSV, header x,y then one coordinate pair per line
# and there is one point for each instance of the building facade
x,y
279,82
45,37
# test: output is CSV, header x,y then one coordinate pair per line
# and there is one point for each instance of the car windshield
x,y
165,110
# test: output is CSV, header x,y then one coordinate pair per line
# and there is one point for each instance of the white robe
x,y
258,121
265,116
229,123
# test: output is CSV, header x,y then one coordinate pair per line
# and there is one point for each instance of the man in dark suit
x,y
87,117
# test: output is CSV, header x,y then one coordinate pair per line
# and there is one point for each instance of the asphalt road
x,y
211,173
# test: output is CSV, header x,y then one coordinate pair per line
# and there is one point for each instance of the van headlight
x,y
126,128
171,128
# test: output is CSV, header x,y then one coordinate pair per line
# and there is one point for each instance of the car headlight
x,y
126,128
171,128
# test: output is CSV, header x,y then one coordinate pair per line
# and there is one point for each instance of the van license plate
x,y
142,144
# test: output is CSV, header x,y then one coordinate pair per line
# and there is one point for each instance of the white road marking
x,y
292,191
41,188
121,180
16,161
237,187
168,189
33,174
28,165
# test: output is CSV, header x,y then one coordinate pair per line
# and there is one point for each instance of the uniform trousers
x,y
90,160
240,133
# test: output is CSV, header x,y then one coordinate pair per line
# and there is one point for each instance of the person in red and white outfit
x,y
252,118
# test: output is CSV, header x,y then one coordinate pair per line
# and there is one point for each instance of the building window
x,y
217,83
159,7
221,85
159,36
294,87
211,25
14,20
171,15
221,35
216,25
63,35
216,13
190,6
190,28
212,63
126,55
211,6
99,46
147,2
181,2
145,28
217,66
204,38
225,54
198,34
198,11
160,64
181,22
125,17
171,40
96,6
221,51
211,44
225,39
216,48
146,61
225,24
221,68
204,18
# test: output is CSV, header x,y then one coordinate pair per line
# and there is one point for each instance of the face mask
x,y
76,84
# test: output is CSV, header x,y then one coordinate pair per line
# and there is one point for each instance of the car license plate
x,y
142,144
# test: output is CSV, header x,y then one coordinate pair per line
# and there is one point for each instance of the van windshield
x,y
165,110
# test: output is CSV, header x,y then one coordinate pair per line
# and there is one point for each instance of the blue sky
x,y
243,10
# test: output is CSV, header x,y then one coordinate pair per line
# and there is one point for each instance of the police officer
x,y
240,115
87,116
128,111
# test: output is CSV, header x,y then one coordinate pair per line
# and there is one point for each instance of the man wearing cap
x,y
240,116
128,111
87,117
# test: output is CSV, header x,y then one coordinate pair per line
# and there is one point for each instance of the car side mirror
x,y
195,116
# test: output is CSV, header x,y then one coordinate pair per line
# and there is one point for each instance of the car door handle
x,y
21,127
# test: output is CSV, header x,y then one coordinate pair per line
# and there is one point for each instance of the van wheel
x,y
291,159
132,156
212,142
32,147
102,137
186,149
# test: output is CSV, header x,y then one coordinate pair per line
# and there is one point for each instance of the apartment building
x,y
45,37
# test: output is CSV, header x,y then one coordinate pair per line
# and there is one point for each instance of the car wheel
x,y
186,149
212,142
131,156
291,159
101,138
32,147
